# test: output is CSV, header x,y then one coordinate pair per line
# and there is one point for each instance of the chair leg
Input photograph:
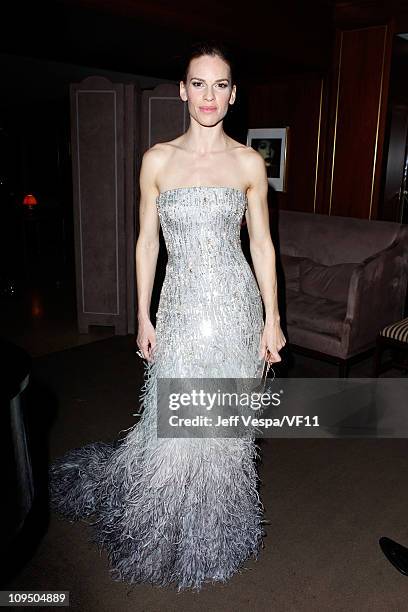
x,y
377,358
343,369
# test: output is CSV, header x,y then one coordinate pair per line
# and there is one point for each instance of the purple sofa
x,y
343,279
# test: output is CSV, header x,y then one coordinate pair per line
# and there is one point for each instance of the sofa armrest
x,y
376,296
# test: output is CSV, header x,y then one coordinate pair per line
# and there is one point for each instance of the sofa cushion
x,y
330,282
318,314
291,269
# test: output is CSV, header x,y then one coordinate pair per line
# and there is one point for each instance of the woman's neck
x,y
201,140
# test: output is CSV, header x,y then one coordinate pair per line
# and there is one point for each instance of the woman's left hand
x,y
272,341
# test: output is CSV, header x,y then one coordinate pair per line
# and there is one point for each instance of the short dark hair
x,y
209,47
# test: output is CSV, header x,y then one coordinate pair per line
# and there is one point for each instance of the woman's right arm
x,y
146,252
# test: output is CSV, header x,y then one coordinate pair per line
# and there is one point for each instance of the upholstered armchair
x,y
341,280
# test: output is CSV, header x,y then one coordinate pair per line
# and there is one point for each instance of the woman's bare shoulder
x,y
154,160
246,154
157,150
250,157
245,150
249,161
156,156
168,146
160,152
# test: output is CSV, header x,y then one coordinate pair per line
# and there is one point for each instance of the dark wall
x,y
35,157
337,126
393,206
358,102
297,102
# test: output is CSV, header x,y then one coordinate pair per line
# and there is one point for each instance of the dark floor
x,y
328,501
42,320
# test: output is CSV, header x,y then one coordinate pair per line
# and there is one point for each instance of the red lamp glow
x,y
30,200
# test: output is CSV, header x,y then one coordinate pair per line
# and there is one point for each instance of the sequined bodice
x,y
210,305
201,226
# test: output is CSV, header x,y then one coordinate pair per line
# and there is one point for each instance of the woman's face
x,y
208,90
264,148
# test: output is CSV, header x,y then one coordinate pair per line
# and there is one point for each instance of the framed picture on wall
x,y
272,144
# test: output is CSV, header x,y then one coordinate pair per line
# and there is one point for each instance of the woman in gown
x,y
187,510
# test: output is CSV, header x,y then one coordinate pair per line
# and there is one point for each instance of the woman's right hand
x,y
146,339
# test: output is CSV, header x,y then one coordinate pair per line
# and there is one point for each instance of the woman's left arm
x,y
263,255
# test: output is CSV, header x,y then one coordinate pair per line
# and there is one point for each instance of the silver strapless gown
x,y
182,511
